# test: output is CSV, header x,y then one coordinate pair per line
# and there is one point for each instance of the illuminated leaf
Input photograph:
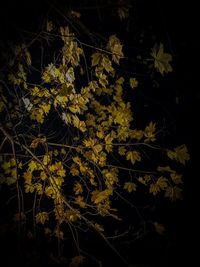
x,y
115,47
130,186
100,196
133,83
133,156
42,217
149,132
76,261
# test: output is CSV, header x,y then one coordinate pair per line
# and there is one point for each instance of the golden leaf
x,y
130,186
42,217
133,156
133,83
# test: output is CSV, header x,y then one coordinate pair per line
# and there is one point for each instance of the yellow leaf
x,y
133,156
176,178
165,169
42,217
76,261
160,229
130,186
100,196
179,154
115,47
96,58
78,188
162,182
49,26
154,188
122,150
133,83
161,59
98,227
80,201
173,193
149,132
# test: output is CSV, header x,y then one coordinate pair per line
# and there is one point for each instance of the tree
x,y
70,147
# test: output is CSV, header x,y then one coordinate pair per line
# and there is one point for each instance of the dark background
x,y
176,26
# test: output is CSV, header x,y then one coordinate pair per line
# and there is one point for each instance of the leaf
x,y
162,183
122,150
179,154
165,169
96,58
130,186
37,141
176,178
173,193
78,188
76,261
98,227
115,47
160,229
80,201
161,59
133,83
149,132
123,12
100,196
42,217
154,188
49,26
133,156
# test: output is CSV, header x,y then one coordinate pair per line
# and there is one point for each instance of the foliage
x,y
69,140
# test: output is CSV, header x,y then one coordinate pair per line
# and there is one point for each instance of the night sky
x,y
175,26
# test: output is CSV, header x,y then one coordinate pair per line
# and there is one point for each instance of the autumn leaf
x,y
130,186
42,217
133,83
76,261
161,59
100,196
133,156
162,182
179,154
149,132
160,229
115,47
154,188
176,178
173,193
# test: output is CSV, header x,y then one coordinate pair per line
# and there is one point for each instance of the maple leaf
x,y
130,186
42,217
133,83
179,154
149,132
161,59
133,156
115,47
173,193
162,182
